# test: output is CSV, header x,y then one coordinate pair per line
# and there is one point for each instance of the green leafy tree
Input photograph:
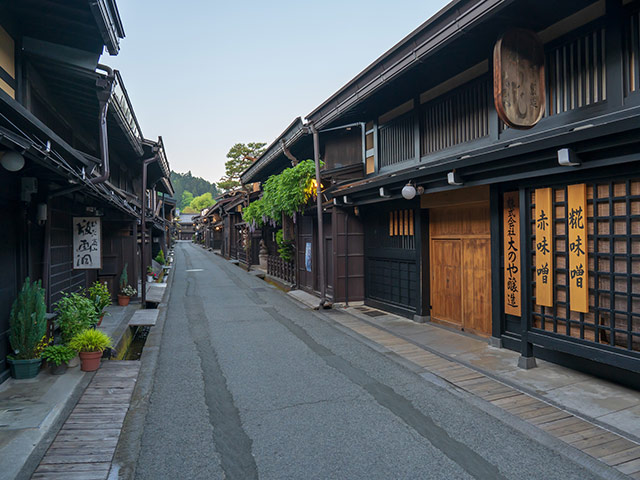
x,y
188,209
186,199
201,202
240,157
186,182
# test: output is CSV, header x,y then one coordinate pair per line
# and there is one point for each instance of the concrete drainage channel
x,y
131,344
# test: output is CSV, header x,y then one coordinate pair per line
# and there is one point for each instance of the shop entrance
x,y
460,266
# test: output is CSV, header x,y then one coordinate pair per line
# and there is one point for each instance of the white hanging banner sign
x,y
87,246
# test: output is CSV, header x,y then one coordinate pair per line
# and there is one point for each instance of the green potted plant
x,y
126,290
150,274
101,297
58,357
90,344
75,313
28,326
160,257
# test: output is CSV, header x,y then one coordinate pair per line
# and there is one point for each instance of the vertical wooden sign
x,y
544,247
512,287
578,251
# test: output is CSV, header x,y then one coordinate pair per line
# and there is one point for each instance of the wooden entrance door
x,y
446,281
460,265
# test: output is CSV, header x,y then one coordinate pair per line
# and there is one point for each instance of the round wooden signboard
x,y
518,78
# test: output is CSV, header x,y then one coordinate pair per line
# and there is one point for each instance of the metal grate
x,y
397,141
461,117
576,73
614,268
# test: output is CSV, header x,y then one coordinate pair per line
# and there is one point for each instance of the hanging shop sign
x,y
518,78
87,247
578,251
511,219
544,247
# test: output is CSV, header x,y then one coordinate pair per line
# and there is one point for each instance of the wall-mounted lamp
x,y
409,191
568,158
12,161
454,179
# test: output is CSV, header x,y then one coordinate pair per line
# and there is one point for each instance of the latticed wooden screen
x,y
613,227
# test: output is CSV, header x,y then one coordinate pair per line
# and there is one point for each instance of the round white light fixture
x,y
408,191
12,161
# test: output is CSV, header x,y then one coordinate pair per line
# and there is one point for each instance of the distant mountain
x,y
196,186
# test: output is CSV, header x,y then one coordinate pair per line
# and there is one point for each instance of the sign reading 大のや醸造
x,y
511,225
87,248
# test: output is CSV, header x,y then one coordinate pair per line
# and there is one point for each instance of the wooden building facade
x,y
70,148
453,166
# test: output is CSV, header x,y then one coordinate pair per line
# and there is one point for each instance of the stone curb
x,y
125,459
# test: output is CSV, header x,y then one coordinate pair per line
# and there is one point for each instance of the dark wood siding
x,y
349,256
341,150
392,273
62,276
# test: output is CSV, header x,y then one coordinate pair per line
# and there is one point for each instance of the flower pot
x,y
150,279
123,300
74,362
90,361
21,369
58,369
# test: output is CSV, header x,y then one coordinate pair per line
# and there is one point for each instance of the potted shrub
x,y
160,257
126,290
150,274
101,297
58,356
90,344
75,314
28,326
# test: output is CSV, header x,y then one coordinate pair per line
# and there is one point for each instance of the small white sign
x,y
87,246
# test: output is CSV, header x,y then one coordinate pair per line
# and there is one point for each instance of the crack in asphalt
x,y
230,439
400,406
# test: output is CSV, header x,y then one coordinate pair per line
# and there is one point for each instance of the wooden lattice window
x,y
576,73
613,226
632,53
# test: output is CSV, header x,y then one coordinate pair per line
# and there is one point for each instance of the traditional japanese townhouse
x,y
71,152
340,151
186,228
501,193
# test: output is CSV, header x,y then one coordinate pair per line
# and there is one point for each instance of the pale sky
x,y
206,74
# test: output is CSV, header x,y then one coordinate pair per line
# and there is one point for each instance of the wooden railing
x,y
277,267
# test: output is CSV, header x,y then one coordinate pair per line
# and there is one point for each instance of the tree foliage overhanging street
x,y
240,157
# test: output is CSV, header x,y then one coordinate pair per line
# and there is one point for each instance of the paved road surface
x,y
251,385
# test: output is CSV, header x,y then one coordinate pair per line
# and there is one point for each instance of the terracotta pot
x,y
90,361
123,300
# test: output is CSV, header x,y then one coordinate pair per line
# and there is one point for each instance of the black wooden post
x,y
526,360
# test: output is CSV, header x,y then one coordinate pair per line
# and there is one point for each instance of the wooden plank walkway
x,y
84,446
608,447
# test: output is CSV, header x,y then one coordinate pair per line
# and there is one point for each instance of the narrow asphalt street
x,y
250,384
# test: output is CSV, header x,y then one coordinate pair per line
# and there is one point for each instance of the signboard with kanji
x,y
578,251
544,247
87,247
511,219
518,78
